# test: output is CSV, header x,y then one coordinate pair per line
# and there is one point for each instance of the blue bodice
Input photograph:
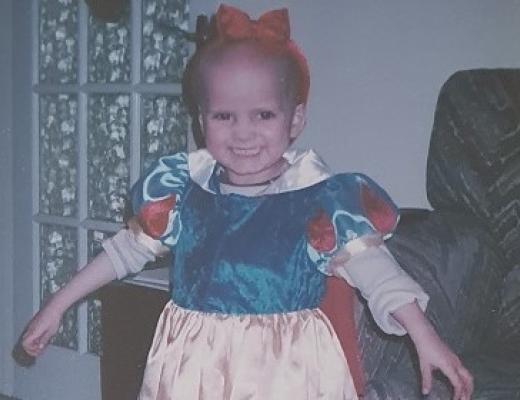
x,y
239,254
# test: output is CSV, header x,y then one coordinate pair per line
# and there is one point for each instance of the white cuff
x,y
384,284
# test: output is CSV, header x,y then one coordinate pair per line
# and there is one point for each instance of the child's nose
x,y
244,129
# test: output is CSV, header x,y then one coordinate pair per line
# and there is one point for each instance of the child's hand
x,y
44,325
41,329
434,354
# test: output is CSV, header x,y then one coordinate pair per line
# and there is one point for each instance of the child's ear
x,y
298,121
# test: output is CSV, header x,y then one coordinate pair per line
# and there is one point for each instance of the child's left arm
x,y
348,242
397,302
433,353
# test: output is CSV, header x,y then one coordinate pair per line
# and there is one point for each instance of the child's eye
x,y
266,115
222,116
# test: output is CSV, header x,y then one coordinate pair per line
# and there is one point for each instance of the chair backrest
x,y
474,154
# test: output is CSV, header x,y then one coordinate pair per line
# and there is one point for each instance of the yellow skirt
x,y
206,356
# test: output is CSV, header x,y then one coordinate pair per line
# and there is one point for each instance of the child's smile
x,y
248,120
246,152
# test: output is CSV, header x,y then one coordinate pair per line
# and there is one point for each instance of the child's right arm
x,y
154,198
127,252
44,325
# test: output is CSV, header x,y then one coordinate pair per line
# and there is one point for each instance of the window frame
x,y
137,90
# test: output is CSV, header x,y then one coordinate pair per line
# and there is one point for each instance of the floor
x,y
2,397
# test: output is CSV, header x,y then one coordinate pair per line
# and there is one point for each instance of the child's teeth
x,y
245,152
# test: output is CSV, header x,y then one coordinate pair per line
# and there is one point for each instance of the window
x,y
107,103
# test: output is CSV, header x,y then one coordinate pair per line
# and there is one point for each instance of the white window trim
x,y
136,89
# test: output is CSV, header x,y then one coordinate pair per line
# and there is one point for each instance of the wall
x,y
376,70
6,201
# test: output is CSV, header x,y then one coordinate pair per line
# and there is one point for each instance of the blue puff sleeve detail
x,y
157,197
353,206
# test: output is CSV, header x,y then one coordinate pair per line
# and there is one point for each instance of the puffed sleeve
x,y
156,198
346,239
158,195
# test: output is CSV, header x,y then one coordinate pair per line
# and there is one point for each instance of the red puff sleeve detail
x,y
153,217
320,232
380,213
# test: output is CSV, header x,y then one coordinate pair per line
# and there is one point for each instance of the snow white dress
x,y
248,275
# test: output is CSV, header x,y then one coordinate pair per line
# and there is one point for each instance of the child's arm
x,y
127,252
433,353
397,303
44,325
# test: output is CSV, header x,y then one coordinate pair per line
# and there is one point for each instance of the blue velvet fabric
x,y
236,254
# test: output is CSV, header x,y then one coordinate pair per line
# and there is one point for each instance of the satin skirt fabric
x,y
205,356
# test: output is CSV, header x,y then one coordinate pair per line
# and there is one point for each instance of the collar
x,y
306,168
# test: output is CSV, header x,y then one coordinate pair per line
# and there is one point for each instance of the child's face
x,y
247,119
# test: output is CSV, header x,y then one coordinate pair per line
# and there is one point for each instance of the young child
x,y
255,228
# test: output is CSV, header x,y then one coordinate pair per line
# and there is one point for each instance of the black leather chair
x,y
466,251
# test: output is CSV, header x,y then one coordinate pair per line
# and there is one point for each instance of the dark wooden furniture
x,y
129,315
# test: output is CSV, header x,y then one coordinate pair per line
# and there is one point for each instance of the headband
x,y
271,28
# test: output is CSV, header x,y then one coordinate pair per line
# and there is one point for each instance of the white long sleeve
x,y
382,281
129,252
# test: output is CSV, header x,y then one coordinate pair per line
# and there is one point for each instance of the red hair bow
x,y
232,23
